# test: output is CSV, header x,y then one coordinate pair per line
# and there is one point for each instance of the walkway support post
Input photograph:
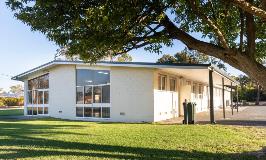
x,y
231,97
237,98
211,97
223,97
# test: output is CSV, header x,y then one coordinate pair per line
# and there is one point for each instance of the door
x,y
185,93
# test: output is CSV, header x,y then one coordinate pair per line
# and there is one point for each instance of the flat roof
x,y
50,64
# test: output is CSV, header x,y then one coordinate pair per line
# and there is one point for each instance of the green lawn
x,y
58,139
11,112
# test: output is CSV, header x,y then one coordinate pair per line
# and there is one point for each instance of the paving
x,y
246,116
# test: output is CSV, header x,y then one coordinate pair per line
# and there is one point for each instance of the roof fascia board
x,y
223,74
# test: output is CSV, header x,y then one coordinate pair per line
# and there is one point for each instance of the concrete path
x,y
251,116
246,116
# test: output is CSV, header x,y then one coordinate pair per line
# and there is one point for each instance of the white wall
x,y
165,102
131,94
134,94
62,92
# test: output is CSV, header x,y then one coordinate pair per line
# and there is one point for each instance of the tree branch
x,y
251,35
246,6
211,24
192,43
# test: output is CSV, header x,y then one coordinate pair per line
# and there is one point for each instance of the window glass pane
x,y
101,77
34,97
40,110
159,82
84,77
29,97
105,112
44,82
97,112
87,112
88,95
163,83
106,94
97,94
30,85
40,97
34,110
41,82
46,97
34,83
79,95
29,110
172,84
45,110
79,111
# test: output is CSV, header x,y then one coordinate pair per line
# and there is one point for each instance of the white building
x,y
121,91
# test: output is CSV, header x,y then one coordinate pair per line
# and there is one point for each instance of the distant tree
x,y
191,57
16,89
167,58
124,58
61,54
249,89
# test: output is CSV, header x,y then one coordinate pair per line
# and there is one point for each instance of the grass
x,y
11,112
59,139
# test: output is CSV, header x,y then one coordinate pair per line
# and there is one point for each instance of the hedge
x,y
10,101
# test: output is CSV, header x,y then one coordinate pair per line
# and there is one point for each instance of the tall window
x,y
172,84
194,90
93,93
162,82
38,95
200,91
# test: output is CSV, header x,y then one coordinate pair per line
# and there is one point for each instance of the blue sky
x,y
21,49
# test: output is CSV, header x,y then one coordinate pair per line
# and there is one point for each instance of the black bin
x,y
189,112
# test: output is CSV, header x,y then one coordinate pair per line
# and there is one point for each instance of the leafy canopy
x,y
93,28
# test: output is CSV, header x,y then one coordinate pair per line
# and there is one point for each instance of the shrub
x,y
10,101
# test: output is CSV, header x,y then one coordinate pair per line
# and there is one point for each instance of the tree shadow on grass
x,y
21,144
44,147
251,123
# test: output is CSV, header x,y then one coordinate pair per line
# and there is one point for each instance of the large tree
x,y
233,30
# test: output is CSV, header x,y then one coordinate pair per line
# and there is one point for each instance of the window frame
x,y
37,90
175,81
160,82
93,105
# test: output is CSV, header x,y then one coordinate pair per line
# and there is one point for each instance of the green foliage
x,y
248,90
124,58
191,57
10,101
16,89
59,139
167,58
94,28
2,103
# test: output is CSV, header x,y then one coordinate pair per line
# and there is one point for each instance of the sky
x,y
22,49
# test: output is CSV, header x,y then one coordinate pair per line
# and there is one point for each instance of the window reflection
x,y
88,95
97,92
93,86
38,95
79,95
